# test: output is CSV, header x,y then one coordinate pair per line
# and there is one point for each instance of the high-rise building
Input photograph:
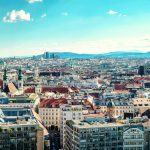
x,y
68,112
46,55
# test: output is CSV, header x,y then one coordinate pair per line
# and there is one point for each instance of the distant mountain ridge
x,y
71,55
117,54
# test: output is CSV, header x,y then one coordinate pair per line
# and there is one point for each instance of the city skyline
x,y
30,27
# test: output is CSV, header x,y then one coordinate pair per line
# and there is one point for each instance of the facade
x,y
18,101
118,108
94,135
50,116
20,130
49,111
22,135
134,138
141,104
68,112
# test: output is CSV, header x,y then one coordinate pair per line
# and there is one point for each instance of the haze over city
x,y
74,75
30,27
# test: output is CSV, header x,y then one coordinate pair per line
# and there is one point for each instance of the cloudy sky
x,y
29,27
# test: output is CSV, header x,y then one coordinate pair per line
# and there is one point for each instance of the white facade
x,y
68,112
50,116
133,139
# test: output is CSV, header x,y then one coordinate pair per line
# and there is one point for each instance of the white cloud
x,y
15,16
33,1
122,15
112,12
64,13
43,15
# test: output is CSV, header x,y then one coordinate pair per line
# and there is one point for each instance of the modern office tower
x,y
20,80
68,112
19,130
93,134
46,55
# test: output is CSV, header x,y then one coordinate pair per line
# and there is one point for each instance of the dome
x,y
110,104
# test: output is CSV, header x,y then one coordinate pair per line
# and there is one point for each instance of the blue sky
x,y
30,27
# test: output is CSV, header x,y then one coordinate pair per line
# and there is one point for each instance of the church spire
x,y
20,80
5,77
20,76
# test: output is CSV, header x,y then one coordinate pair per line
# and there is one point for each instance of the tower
x,y
110,108
5,78
36,72
20,79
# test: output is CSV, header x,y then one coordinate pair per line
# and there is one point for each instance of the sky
x,y
30,27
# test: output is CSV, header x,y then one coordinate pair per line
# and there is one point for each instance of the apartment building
x,y
134,138
20,130
98,135
141,104
20,135
114,107
49,111
68,112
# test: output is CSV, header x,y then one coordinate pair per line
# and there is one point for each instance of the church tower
x,y
20,80
36,72
5,78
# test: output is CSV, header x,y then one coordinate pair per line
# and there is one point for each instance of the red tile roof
x,y
56,89
47,103
120,86
141,78
29,90
1,83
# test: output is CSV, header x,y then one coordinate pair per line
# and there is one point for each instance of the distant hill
x,y
118,54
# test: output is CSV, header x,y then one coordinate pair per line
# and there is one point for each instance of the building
x,y
22,135
144,70
19,129
68,112
4,98
46,55
141,104
49,111
96,134
134,138
24,100
115,107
